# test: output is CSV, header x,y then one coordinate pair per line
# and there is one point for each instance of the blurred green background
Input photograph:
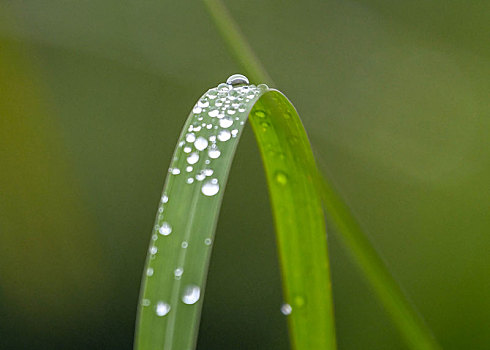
x,y
394,96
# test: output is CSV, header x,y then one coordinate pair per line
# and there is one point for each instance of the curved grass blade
x,y
177,263
404,315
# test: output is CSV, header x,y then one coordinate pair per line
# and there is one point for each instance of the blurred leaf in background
x,y
394,96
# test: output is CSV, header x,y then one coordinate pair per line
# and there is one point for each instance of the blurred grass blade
x,y
176,270
409,323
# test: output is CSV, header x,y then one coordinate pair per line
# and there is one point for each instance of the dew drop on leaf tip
x,y
237,79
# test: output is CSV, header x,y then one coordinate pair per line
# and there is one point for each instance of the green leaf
x,y
175,277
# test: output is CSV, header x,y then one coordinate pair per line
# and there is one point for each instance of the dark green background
x,y
395,97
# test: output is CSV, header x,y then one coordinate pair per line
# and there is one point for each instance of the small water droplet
x,y
145,302
212,138
259,114
231,111
164,198
190,137
262,87
191,294
210,188
178,272
207,161
234,132
165,229
214,113
190,180
212,93
201,143
160,210
299,301
223,87
187,149
203,103
197,110
265,125
287,115
149,271
193,158
162,308
188,169
225,122
207,241
281,178
184,244
208,172
175,171
237,79
242,107
224,135
286,309
153,250
200,176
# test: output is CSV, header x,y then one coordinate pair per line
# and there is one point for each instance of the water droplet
x,y
234,132
209,126
233,95
207,161
201,143
145,302
224,135
187,149
190,137
264,125
164,198
197,110
208,172
214,113
281,178
225,122
212,93
259,114
162,308
178,272
231,111
262,87
190,180
242,107
160,210
207,241
149,271
299,301
223,87
175,171
191,294
193,158
287,115
184,244
165,229
153,250
237,79
286,309
188,169
210,188
203,103
200,176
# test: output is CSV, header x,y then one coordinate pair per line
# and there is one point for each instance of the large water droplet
x,y
201,143
224,135
193,158
162,308
165,229
210,188
237,79
191,294
225,122
286,309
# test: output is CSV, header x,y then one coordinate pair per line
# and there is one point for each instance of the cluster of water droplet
x,y
217,118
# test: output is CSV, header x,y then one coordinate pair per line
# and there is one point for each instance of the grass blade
x,y
404,315
177,263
